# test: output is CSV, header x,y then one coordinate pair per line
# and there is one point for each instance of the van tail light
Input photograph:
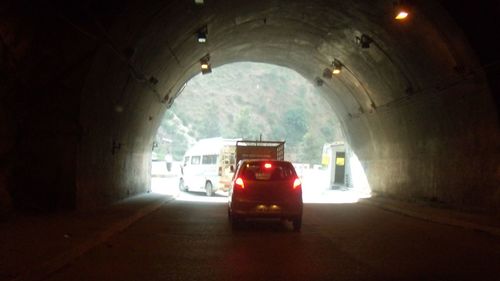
x,y
297,184
239,184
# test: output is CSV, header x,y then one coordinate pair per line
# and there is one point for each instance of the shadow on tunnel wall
x,y
479,22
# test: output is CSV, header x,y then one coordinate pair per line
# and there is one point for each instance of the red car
x,y
266,189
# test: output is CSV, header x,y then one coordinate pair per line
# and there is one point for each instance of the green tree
x,y
245,126
311,148
208,126
295,124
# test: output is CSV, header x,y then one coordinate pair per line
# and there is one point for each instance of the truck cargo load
x,y
259,149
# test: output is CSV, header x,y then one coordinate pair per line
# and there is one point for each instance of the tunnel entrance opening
x,y
252,101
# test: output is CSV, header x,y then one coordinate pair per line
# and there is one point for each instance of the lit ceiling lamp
x,y
401,11
337,67
205,64
199,2
201,34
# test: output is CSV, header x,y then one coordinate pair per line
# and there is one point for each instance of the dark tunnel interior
x,y
84,86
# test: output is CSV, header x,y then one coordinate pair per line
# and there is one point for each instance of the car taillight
x,y
238,183
297,184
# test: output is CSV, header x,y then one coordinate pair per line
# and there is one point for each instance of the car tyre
x,y
297,224
209,189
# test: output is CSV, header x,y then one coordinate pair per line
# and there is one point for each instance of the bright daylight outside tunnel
x,y
85,86
253,101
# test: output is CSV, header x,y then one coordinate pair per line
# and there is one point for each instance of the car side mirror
x,y
231,168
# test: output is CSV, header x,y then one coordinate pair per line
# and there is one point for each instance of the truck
x,y
259,149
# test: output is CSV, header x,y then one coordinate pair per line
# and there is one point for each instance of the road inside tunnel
x,y
194,241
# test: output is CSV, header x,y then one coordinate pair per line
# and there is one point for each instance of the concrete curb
x,y
52,265
434,217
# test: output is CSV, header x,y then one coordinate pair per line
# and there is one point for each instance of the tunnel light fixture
x,y
201,34
153,80
202,37
401,11
327,73
319,82
199,2
205,64
364,41
336,67
401,15
206,68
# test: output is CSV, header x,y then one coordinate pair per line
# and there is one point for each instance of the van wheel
x,y
182,187
209,189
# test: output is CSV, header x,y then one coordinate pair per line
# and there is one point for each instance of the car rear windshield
x,y
268,171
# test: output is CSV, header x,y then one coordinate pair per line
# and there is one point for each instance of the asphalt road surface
x,y
187,240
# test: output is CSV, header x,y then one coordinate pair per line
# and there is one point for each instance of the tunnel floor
x,y
361,236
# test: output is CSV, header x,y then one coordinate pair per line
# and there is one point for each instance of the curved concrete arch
x,y
415,105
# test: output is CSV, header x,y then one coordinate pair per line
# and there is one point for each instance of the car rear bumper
x,y
285,210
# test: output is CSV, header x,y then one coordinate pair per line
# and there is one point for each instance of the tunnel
x,y
84,86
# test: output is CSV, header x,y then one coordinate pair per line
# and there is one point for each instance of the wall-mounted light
x,y
319,82
199,2
327,73
364,41
401,10
201,34
153,80
336,67
205,64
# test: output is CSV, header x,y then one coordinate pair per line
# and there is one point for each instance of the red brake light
x,y
268,165
297,183
239,183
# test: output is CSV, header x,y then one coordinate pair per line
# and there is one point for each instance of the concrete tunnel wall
x,y
80,108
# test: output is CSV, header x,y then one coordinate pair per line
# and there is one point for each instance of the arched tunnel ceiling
x,y
403,101
306,36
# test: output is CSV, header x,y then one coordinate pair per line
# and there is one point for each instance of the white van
x,y
207,166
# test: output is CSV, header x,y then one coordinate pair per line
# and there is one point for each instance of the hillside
x,y
246,100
